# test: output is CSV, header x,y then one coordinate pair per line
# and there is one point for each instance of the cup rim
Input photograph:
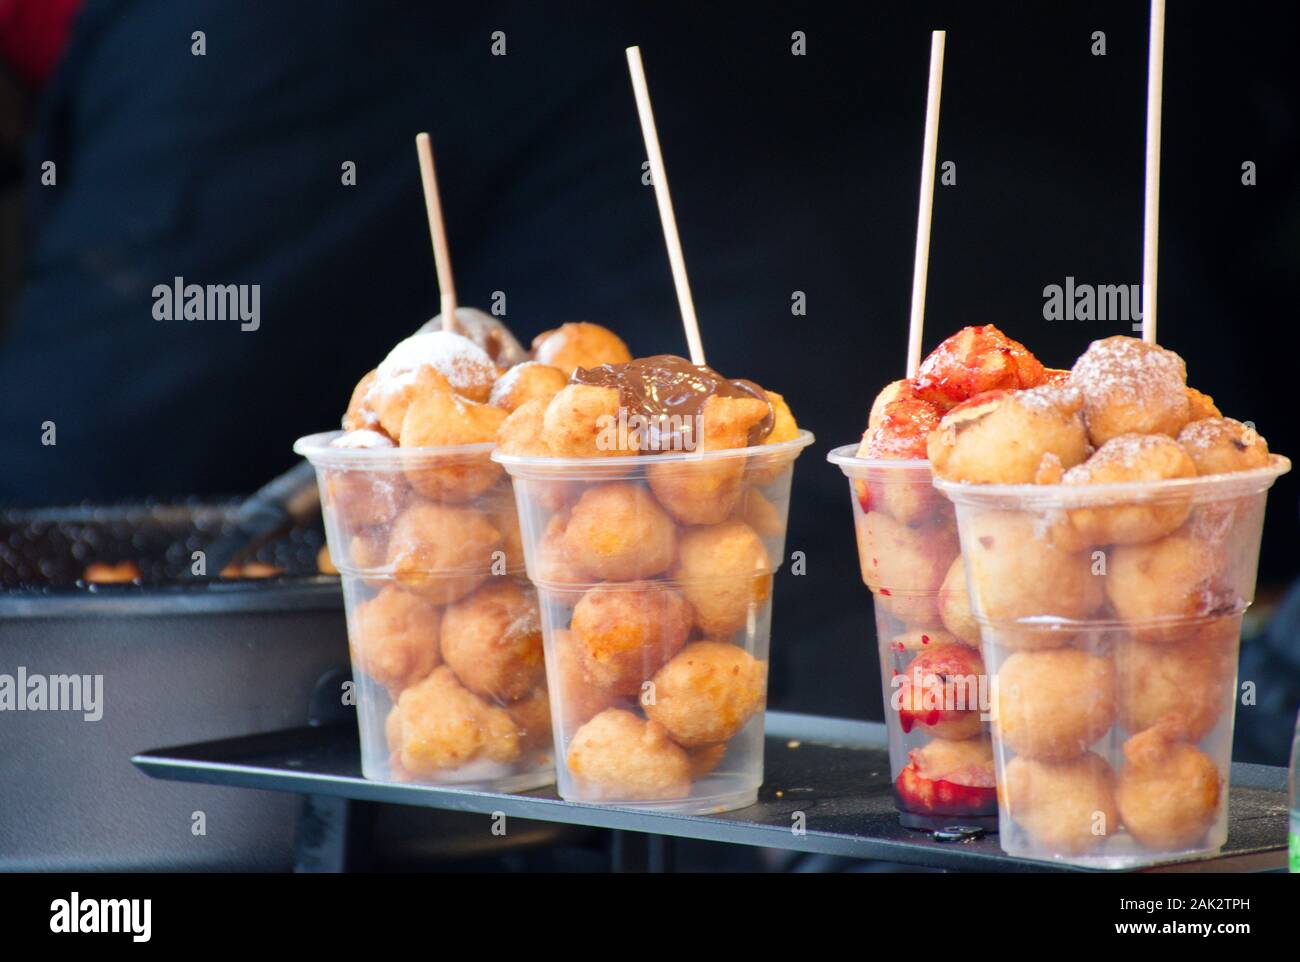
x,y
517,461
316,449
847,458
1204,487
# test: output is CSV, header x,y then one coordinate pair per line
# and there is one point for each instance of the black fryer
x,y
183,658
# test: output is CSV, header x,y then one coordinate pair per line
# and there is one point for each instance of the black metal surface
x,y
835,773
181,658
46,550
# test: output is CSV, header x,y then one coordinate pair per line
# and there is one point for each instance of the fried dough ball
x,y
578,423
903,566
705,759
902,431
784,426
527,382
358,416
759,513
1221,445
364,498
504,515
894,391
707,692
443,420
324,562
1183,685
521,435
946,777
579,344
725,574
909,499
367,552
1017,574
1055,375
251,569
707,493
1131,387
578,697
441,726
532,716
552,570
1173,578
954,605
921,639
521,432
385,403
1052,705
492,640
104,573
626,633
1201,406
619,757
968,761
486,330
1066,807
618,532
939,692
442,552
764,470
1127,458
464,365
1003,438
395,638
973,361
1169,791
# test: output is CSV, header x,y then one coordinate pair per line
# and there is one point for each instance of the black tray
x,y
835,772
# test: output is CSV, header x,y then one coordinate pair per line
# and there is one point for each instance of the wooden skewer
x,y
1151,213
921,263
676,259
437,232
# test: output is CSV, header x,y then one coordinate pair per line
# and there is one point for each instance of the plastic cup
x,y
443,626
654,574
1113,664
932,677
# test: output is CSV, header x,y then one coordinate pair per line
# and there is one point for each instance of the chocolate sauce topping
x,y
666,384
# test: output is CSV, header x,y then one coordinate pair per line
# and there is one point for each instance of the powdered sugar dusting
x,y
457,358
1209,433
506,383
484,330
362,439
1127,370
553,343
1127,452
1061,397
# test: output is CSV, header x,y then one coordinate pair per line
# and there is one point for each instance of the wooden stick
x,y
921,263
1151,214
676,259
437,232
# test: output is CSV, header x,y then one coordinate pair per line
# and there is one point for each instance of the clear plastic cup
x,y
1113,664
654,574
932,676
443,625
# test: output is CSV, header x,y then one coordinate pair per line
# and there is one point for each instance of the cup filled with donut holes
x,y
932,675
654,578
1109,526
443,624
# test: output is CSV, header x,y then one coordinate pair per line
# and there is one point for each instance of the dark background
x,y
788,173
